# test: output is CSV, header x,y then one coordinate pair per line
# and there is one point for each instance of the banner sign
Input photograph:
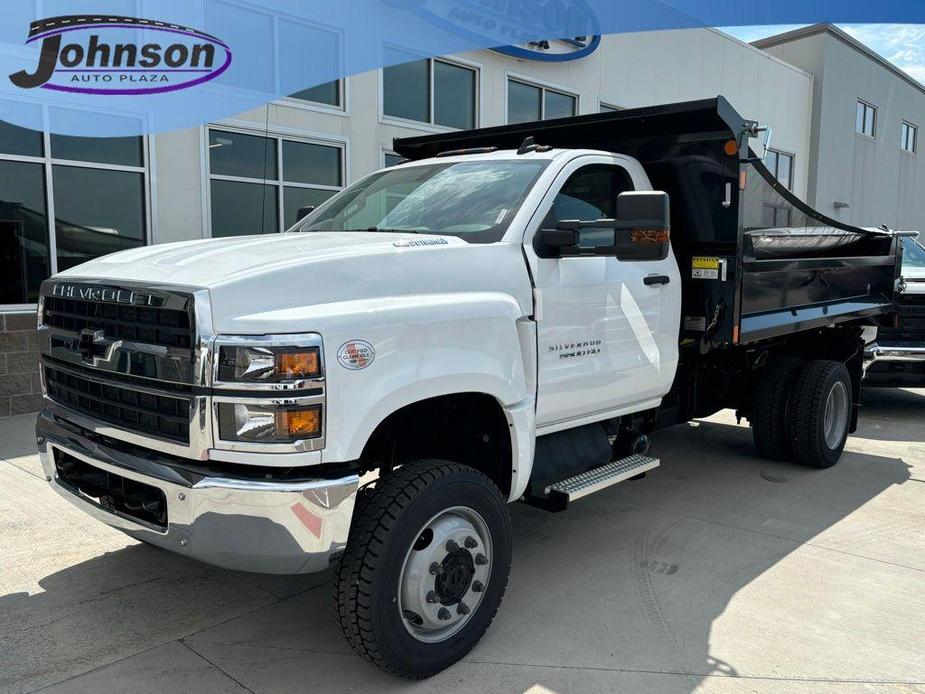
x,y
97,68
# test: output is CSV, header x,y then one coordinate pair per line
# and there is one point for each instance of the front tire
x,y
820,413
425,567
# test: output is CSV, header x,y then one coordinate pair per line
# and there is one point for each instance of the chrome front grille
x,y
911,309
158,414
129,362
150,325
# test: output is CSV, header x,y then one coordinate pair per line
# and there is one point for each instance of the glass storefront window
x,y
405,91
126,151
24,254
529,102
97,189
97,212
20,141
328,94
239,209
454,95
258,183
430,91
236,154
558,105
304,162
524,102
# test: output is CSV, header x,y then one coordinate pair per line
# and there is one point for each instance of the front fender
x,y
425,346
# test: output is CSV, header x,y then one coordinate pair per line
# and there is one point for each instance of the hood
x,y
255,281
213,262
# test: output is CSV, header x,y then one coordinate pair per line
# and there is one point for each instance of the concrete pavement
x,y
720,572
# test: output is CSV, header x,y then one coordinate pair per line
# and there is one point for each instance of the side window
x,y
590,193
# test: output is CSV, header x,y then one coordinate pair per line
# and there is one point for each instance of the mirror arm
x,y
618,224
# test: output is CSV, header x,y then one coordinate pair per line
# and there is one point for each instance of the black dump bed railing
x,y
756,262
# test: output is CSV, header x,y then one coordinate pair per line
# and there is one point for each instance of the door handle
x,y
656,279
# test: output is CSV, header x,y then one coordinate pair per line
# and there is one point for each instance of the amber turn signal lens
x,y
298,424
298,364
731,148
651,236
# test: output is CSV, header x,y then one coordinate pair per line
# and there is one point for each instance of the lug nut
x,y
471,543
451,546
443,614
462,608
481,559
431,597
436,569
477,586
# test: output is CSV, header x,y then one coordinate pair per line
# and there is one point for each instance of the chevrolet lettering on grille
x,y
105,294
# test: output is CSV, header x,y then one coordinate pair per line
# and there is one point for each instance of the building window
x,y
392,159
433,91
327,94
910,136
607,108
258,183
530,102
781,165
866,122
94,189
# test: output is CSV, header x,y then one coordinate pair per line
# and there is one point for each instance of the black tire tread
x,y
808,407
769,415
375,514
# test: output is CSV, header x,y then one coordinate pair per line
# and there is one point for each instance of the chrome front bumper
x,y
278,527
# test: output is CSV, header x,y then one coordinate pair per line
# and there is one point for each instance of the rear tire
x,y
425,567
771,407
821,407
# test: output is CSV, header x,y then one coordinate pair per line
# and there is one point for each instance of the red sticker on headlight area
x,y
356,354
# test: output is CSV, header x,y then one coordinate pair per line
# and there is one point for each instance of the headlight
x,y
269,392
268,423
267,364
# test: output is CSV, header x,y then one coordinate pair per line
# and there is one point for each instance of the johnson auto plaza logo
x,y
103,54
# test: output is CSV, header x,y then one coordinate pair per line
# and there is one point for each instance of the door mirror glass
x,y
304,212
640,231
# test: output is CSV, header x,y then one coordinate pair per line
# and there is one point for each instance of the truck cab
x,y
508,315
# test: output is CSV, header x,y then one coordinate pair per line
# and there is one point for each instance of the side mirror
x,y
304,212
639,232
646,220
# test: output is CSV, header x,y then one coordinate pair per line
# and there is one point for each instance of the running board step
x,y
604,476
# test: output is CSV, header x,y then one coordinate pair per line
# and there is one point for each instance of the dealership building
x,y
845,137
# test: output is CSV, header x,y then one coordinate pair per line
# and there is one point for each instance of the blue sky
x,y
901,44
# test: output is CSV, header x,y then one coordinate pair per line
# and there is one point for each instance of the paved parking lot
x,y
720,572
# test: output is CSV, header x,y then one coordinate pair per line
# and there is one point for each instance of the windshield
x,y
913,254
475,200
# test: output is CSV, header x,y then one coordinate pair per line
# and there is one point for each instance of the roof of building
x,y
844,37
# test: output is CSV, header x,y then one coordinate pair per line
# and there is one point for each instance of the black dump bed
x,y
757,263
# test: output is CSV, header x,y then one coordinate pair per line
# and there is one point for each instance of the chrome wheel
x,y
445,574
835,421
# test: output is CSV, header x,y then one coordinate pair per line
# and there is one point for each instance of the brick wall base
x,y
20,390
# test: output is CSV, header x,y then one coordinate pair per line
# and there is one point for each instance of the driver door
x,y
607,337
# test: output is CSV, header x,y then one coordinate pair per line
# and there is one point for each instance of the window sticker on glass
x,y
501,215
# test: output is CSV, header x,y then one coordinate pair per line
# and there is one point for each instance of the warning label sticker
x,y
705,268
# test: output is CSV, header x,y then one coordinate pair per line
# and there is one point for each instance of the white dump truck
x,y
509,315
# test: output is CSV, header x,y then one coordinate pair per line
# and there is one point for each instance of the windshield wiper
x,y
386,230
